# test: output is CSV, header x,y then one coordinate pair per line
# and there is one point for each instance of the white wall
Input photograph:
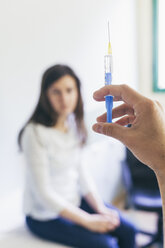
x,y
144,20
38,33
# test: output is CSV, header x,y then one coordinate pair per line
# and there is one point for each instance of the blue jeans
x,y
65,232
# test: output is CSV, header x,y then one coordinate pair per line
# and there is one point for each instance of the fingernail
x,y
99,128
95,95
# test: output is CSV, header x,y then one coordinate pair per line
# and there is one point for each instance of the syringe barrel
x,y
108,69
108,63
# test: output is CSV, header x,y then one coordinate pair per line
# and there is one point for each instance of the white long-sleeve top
x,y
54,174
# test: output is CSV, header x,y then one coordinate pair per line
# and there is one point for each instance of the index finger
x,y
120,92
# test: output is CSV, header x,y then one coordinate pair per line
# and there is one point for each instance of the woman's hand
x,y
112,214
101,223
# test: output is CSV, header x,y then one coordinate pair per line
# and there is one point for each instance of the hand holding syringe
x,y
108,79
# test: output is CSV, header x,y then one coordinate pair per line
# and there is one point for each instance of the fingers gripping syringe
x,y
108,79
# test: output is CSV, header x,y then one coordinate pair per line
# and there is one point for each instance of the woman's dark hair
x,y
45,114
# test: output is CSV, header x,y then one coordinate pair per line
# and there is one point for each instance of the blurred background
x,y
36,34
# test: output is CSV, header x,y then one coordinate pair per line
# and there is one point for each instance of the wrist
x,y
101,209
85,219
160,177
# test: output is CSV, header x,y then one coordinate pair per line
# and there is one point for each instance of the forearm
x,y
75,215
161,181
95,201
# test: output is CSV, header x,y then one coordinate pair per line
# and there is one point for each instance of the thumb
x,y
111,129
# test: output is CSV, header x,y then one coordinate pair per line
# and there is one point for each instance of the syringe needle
x,y
108,32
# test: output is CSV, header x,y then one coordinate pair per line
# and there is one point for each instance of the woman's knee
x,y
108,242
126,232
129,227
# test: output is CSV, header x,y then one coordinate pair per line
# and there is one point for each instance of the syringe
x,y
108,79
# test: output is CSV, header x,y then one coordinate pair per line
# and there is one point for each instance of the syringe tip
x,y
109,48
